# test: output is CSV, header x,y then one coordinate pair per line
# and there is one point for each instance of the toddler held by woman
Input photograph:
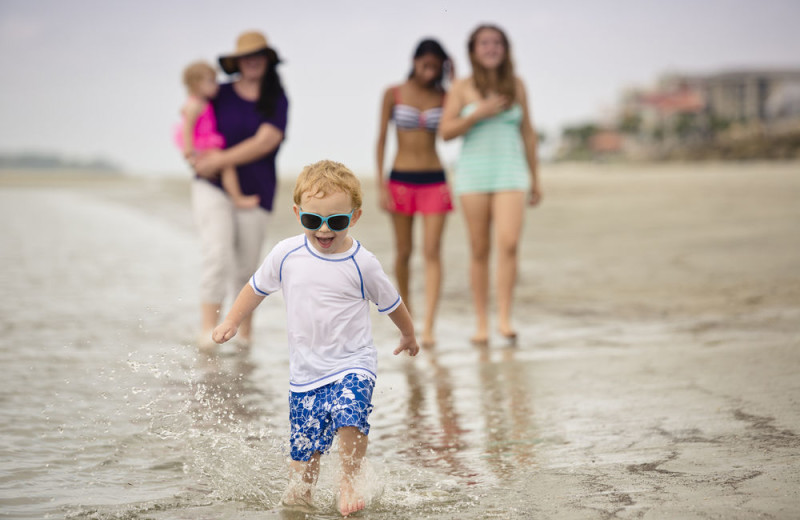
x,y
198,132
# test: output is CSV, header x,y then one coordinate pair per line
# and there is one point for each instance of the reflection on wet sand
x,y
505,403
441,443
437,412
118,419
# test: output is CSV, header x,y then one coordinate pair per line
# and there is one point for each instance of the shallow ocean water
x,y
110,412
655,376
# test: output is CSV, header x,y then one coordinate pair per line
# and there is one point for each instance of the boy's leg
x,y
352,404
301,483
311,436
230,181
352,449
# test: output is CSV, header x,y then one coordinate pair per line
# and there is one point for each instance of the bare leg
x,y
209,317
302,481
403,234
352,449
478,215
433,229
246,329
509,211
230,181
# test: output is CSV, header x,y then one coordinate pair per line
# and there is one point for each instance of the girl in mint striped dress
x,y
496,175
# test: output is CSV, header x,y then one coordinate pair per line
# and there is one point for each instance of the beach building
x,y
702,114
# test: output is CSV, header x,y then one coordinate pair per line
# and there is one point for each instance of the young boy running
x,y
328,279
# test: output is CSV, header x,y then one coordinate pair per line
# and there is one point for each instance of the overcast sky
x,y
100,78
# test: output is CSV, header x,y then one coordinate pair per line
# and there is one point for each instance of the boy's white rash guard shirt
x,y
327,308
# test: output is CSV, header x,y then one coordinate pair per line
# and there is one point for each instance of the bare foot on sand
x,y
509,337
246,201
350,500
298,494
480,340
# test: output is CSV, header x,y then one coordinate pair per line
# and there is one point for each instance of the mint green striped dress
x,y
493,155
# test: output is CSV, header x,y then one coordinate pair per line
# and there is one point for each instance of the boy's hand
x,y
224,332
409,344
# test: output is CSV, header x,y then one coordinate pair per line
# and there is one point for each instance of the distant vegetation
x,y
53,161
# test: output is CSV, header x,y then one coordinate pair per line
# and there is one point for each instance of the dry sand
x,y
659,316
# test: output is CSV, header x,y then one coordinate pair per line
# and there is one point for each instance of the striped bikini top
x,y
410,118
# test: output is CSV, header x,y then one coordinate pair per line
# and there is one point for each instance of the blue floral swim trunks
x,y
315,416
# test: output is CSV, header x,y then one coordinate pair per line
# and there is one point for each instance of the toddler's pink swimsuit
x,y
205,136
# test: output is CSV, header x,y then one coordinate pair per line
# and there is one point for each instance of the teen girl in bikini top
x,y
407,117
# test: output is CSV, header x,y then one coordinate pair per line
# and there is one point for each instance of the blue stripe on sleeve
x,y
255,287
390,306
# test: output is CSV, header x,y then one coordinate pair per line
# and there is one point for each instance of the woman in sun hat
x,y
251,112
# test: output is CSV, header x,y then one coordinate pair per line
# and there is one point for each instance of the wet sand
x,y
655,375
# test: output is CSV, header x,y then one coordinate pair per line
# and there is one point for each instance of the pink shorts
x,y
419,192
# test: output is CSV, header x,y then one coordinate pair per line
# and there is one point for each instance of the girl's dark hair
x,y
271,88
431,46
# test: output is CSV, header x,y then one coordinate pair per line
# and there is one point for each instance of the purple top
x,y
237,120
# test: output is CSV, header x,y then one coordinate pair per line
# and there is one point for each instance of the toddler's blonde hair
x,y
326,177
194,73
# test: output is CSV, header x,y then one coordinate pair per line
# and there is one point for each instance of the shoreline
x,y
20,174
691,237
655,372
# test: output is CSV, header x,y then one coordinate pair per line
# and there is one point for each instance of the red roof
x,y
683,100
606,141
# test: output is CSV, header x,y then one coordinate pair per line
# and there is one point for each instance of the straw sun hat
x,y
248,44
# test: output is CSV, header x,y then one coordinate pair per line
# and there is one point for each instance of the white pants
x,y
231,240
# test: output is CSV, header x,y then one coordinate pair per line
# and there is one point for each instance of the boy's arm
x,y
402,319
245,303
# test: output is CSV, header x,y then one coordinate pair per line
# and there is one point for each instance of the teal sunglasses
x,y
338,222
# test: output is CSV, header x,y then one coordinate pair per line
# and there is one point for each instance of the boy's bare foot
x,y
246,201
298,494
350,500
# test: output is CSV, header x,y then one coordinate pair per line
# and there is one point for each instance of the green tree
x,y
580,133
630,124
